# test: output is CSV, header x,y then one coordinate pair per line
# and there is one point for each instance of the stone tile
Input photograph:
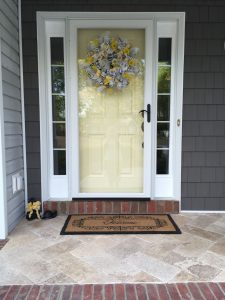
x,y
219,247
128,247
36,269
212,259
181,238
57,249
112,265
59,278
204,272
173,258
97,277
194,247
184,276
203,221
9,275
152,266
216,228
143,277
203,233
220,277
73,267
133,278
21,249
98,248
220,222
149,239
182,220
183,264
161,249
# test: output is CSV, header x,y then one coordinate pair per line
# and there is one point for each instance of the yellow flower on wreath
x,y
114,44
126,50
127,76
98,72
96,43
107,80
131,62
90,59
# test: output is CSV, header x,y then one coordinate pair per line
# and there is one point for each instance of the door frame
x,y
63,184
73,128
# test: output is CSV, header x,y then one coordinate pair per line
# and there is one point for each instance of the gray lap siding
x,y
9,29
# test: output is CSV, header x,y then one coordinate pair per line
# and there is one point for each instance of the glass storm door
x,y
113,90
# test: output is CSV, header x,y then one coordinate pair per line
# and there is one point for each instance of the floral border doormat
x,y
110,224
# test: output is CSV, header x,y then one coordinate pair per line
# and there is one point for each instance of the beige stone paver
x,y
36,253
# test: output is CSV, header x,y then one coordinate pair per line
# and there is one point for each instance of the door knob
x,y
148,111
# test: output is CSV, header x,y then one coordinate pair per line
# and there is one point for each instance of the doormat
x,y
110,224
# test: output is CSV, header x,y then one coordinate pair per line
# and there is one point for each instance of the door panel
x,y
110,135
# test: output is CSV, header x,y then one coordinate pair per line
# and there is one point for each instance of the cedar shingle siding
x,y
203,162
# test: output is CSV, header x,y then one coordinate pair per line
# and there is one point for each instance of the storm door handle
x,y
148,111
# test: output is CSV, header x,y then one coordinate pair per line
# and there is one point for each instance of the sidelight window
x,y
163,105
58,105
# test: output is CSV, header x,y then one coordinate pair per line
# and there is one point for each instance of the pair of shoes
x,y
48,214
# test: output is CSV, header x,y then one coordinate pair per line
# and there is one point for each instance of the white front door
x,y
111,67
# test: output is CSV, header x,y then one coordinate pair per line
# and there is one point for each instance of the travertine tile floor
x,y
37,254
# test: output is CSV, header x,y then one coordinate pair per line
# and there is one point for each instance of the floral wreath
x,y
111,62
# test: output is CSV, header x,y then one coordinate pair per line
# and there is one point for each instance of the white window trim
x,y
53,186
42,17
3,198
169,181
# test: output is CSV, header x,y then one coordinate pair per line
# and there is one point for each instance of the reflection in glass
x,y
58,108
165,51
164,78
57,55
163,110
163,135
59,162
57,80
162,161
59,140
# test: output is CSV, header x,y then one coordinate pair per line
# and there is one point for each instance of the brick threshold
x,y
143,291
113,206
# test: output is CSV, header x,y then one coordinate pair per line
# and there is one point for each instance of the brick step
x,y
113,206
174,291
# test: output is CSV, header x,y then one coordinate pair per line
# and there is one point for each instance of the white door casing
x,y
63,25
